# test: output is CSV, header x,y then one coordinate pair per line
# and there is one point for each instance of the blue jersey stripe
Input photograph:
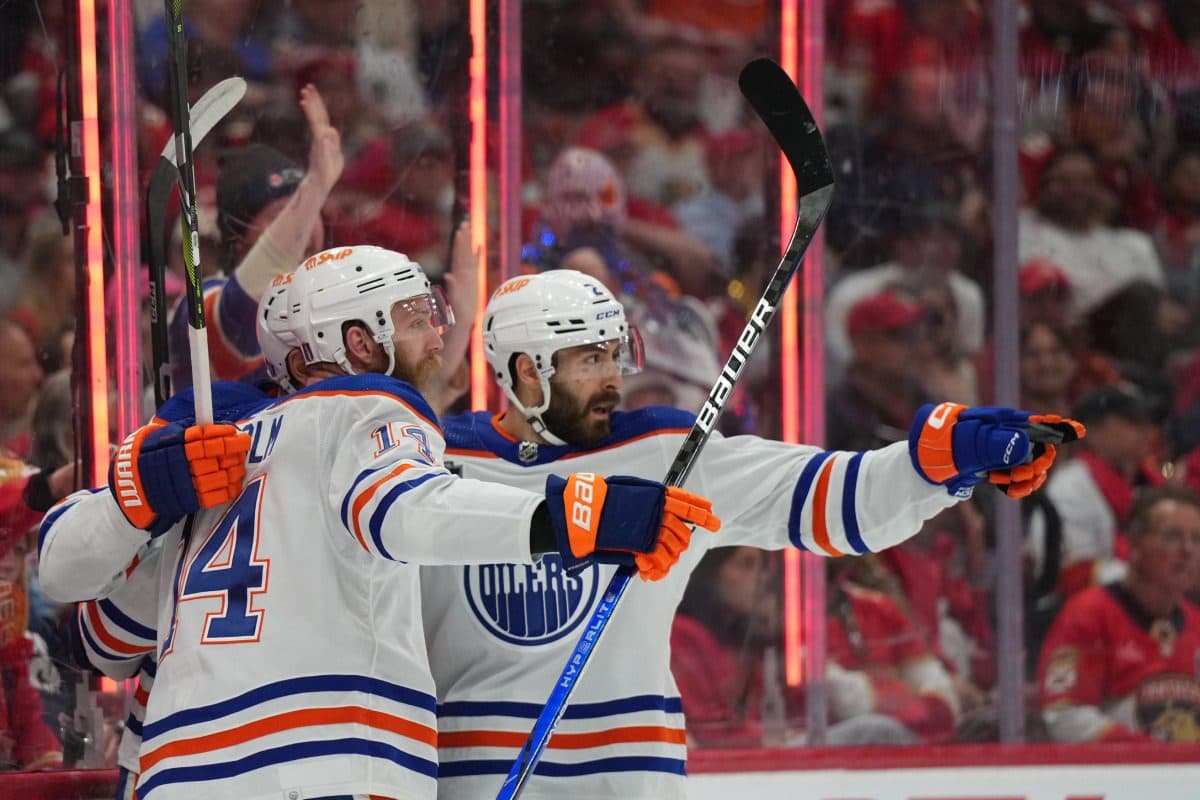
x,y
130,626
233,310
362,476
289,687
85,629
551,769
800,495
625,705
284,754
133,725
375,526
849,514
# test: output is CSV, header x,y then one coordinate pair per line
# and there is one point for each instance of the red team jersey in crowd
x,y
498,635
1110,671
288,631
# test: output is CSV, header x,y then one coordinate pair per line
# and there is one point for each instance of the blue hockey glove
x,y
163,472
955,446
624,520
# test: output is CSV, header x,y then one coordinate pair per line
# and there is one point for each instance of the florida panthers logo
x,y
530,604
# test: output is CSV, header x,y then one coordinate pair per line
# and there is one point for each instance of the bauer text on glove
x,y
624,520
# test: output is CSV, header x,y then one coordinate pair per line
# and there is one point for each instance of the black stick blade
x,y
779,105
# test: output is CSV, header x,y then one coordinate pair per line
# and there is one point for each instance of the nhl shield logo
x,y
527,452
530,604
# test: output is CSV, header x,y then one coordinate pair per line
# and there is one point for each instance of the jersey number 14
x,y
227,567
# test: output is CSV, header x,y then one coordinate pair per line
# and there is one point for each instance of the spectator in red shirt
x,y
725,657
1120,662
26,742
869,635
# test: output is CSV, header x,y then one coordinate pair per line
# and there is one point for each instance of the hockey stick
x,y
777,102
210,109
180,120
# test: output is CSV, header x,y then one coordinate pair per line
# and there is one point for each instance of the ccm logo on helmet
x,y
326,257
515,285
612,312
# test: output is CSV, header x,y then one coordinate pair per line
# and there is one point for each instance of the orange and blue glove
x,y
624,520
955,446
164,471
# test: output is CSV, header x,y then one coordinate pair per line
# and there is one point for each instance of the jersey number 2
x,y
227,567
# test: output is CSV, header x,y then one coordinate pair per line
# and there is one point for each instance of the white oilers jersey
x,y
498,635
290,652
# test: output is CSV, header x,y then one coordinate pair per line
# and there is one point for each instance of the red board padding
x,y
967,755
73,784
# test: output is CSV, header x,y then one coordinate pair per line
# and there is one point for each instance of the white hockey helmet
x,y
361,283
543,313
275,337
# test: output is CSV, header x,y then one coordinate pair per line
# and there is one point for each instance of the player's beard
x,y
568,418
417,374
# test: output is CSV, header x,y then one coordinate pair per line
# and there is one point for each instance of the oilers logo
x,y
530,604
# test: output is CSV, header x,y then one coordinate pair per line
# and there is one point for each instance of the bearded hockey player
x,y
498,634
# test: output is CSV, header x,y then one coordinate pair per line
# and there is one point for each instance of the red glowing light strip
x,y
812,281
478,191
124,227
790,359
97,341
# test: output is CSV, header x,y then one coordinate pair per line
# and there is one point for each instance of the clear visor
x,y
415,316
620,356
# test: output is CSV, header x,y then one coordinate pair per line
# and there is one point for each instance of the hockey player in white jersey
x,y
499,634
290,654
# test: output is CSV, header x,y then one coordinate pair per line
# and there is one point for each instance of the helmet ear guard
x,y
539,315
275,337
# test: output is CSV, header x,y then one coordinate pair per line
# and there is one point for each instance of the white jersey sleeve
x,y
85,546
397,501
773,495
118,631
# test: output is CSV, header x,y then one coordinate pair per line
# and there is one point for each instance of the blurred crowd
x,y
642,166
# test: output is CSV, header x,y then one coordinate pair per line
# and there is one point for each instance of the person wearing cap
x,y
398,192
871,405
1048,323
1120,661
269,218
1093,492
923,233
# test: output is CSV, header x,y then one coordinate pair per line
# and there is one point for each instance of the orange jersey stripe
x,y
289,720
365,498
141,695
106,638
820,495
566,741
